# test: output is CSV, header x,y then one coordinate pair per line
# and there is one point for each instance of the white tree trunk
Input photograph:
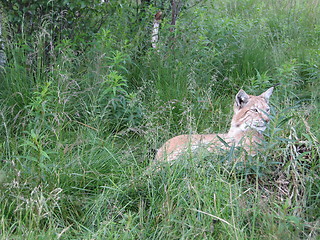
x,y
155,30
3,58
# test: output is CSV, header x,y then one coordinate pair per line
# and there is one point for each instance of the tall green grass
x,y
77,134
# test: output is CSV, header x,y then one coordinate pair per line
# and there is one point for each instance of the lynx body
x,y
251,115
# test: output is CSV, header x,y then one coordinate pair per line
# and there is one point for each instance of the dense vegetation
x,y
85,99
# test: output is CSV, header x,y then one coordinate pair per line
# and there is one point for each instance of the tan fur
x,y
248,122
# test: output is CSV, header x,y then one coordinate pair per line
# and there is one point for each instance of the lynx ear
x,y
242,99
266,95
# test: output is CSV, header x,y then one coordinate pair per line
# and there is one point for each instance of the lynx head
x,y
251,112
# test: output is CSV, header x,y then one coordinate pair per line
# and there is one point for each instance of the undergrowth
x,y
80,122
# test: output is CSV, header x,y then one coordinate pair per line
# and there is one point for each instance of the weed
x,y
79,119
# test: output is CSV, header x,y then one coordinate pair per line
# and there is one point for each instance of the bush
x,y
84,100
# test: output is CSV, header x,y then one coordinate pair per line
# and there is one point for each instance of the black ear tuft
x,y
242,98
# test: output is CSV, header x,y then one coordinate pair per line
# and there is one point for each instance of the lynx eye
x,y
254,110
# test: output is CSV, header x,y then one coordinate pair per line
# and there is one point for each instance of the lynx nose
x,y
265,118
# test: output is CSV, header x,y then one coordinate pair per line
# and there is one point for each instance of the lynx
x,y
251,115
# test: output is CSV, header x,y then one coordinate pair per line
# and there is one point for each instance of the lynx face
x,y
251,112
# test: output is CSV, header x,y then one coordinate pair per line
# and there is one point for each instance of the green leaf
x,y
44,154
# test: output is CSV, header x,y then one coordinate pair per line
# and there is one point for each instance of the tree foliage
x,y
66,19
